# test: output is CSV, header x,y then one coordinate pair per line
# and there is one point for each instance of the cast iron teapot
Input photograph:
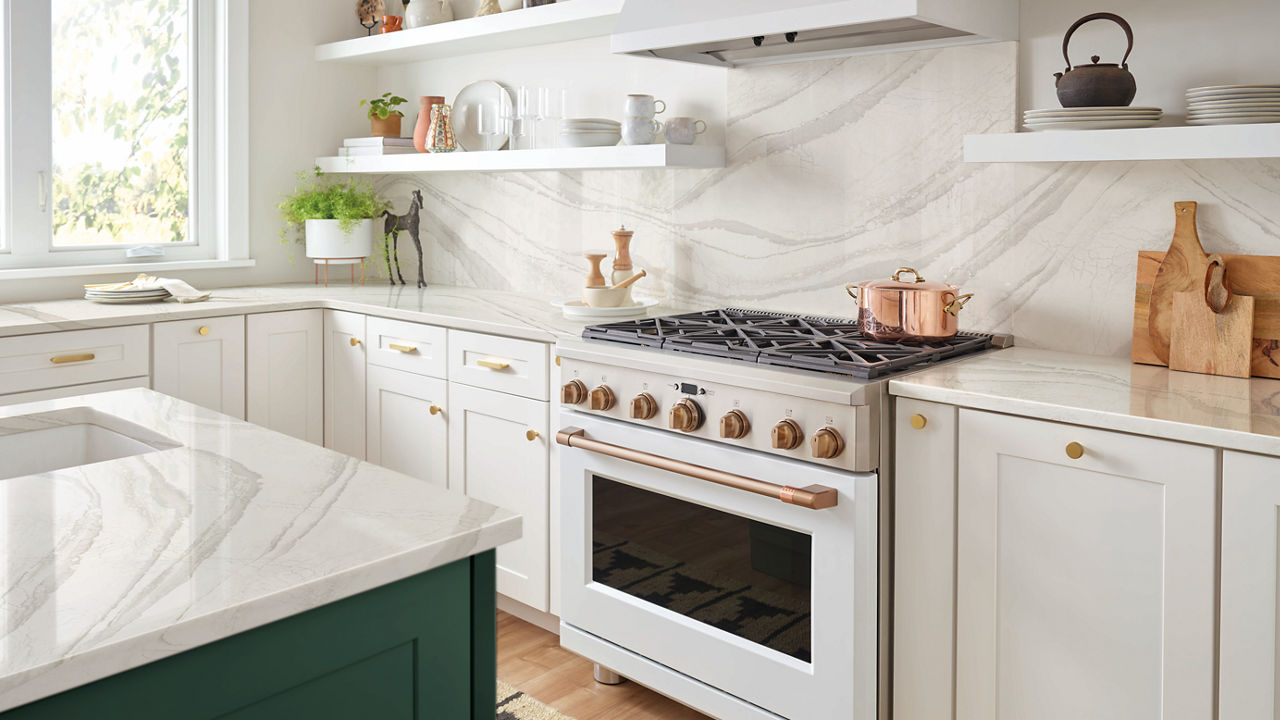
x,y
1099,84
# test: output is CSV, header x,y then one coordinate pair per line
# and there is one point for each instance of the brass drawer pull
x,y
1075,450
918,421
403,348
64,359
493,364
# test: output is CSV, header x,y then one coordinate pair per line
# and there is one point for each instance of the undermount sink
x,y
60,439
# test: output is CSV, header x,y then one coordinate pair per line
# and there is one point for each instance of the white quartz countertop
x,y
107,567
530,317
1110,393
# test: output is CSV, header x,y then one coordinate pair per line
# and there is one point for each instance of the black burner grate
x,y
832,345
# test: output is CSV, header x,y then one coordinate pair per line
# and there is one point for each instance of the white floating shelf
x,y
1160,143
560,22
620,157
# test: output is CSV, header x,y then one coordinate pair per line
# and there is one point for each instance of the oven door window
x,y
745,577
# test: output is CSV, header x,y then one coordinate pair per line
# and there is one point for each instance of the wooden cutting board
x,y
1257,276
1182,270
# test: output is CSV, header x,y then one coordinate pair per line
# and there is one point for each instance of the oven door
x,y
770,602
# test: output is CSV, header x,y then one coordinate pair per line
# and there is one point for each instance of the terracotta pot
x,y
422,129
385,127
908,312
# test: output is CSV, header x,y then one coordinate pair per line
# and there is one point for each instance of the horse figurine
x,y
394,224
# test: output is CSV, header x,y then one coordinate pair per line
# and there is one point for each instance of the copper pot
x,y
914,311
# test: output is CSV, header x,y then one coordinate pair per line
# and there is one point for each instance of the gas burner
x,y
830,345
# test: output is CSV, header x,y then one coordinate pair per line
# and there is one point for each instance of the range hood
x,y
736,33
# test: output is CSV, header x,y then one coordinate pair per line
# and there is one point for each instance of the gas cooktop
x,y
830,345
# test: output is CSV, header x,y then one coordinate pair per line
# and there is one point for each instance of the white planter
x,y
325,239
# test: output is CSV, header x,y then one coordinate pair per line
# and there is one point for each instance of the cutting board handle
x,y
1217,293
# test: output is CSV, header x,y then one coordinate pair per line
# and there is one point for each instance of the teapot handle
x,y
1128,33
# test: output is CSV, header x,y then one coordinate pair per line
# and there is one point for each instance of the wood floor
x,y
532,660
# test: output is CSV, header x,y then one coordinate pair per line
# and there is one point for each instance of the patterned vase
x,y
440,134
422,128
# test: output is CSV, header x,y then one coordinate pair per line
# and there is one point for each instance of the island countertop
x,y
110,566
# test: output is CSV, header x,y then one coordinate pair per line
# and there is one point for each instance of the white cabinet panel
x,y
497,363
75,357
202,362
285,371
1085,587
494,458
408,424
407,346
1249,673
344,382
924,559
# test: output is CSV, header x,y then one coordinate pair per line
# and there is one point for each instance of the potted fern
x,y
384,118
334,218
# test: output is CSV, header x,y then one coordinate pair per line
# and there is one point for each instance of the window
x,y
120,125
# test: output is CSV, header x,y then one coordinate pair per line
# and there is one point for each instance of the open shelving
x,y
1159,143
620,157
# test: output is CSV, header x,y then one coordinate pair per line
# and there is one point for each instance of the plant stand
x,y
326,262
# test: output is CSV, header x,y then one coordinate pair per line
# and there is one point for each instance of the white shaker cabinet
x,y
499,452
408,420
1085,566
344,382
1248,669
285,372
202,362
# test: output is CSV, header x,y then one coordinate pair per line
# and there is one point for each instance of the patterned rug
x,y
515,705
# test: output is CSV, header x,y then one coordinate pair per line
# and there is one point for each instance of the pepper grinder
x,y
594,277
622,268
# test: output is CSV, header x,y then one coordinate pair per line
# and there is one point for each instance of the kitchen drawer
x,y
411,347
75,357
73,390
518,367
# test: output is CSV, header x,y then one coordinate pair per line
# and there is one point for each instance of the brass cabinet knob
x,y
643,407
602,398
573,393
826,444
532,435
1075,450
734,425
435,410
355,342
787,435
204,330
918,421
686,416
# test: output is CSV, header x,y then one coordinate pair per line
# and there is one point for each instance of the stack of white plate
x,y
1233,104
590,132
1091,118
116,295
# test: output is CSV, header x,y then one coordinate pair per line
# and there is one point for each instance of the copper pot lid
x,y
917,282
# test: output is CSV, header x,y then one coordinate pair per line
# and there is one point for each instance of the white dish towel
x,y
179,289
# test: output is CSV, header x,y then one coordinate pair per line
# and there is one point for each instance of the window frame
x,y
218,170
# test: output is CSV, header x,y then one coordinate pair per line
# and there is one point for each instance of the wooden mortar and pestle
x,y
609,297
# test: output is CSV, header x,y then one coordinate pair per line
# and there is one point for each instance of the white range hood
x,y
736,33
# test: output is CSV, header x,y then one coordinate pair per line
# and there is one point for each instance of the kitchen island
x,y
225,570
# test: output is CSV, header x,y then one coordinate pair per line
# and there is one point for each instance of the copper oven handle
x,y
814,497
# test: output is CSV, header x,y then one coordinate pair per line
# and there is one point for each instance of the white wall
x,y
298,109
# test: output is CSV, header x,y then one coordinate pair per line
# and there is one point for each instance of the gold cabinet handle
x,y
64,359
435,410
355,342
204,330
493,364
403,348
1075,450
532,435
918,421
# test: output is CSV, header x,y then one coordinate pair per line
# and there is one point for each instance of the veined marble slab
x,y
1109,393
107,567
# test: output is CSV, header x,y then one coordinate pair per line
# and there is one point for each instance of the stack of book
x,y
352,147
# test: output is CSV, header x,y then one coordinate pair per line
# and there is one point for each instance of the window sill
x,y
115,269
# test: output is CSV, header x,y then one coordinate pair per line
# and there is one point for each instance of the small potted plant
x,y
384,118
333,217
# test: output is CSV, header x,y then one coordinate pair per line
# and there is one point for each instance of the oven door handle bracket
x,y
814,497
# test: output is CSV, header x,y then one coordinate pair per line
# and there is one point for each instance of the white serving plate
x,y
1099,118
494,101
125,300
1094,124
1218,88
1260,107
577,310
580,140
1234,113
592,121
1238,94
1254,120
1091,111
127,293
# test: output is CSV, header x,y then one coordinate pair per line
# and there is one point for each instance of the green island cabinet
x,y
422,648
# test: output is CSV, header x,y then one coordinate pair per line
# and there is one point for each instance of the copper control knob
x,y
734,425
573,393
787,435
602,398
686,416
826,444
643,407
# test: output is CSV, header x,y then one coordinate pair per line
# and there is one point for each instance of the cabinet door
x,y
286,373
1250,536
202,362
344,391
924,559
493,457
408,426
1085,586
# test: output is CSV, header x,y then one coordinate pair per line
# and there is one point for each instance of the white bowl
x,y
590,139
603,297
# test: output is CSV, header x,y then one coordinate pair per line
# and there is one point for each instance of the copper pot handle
x,y
954,307
898,275
1124,24
852,290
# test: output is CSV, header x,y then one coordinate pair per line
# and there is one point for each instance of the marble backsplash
x,y
844,170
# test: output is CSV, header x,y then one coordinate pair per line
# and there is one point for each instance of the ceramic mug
x,y
643,106
640,130
683,130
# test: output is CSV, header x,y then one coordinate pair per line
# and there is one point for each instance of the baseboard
x,y
533,616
